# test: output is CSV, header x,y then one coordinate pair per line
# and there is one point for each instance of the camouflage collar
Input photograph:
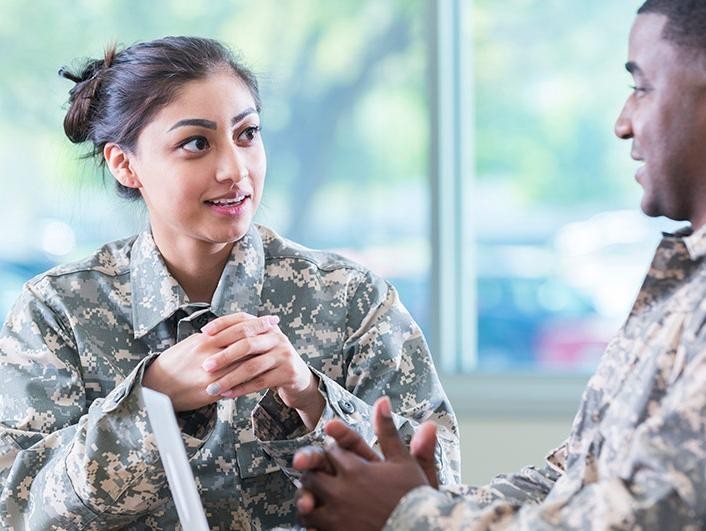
x,y
156,295
240,286
695,242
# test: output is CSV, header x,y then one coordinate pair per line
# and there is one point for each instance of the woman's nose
x,y
232,167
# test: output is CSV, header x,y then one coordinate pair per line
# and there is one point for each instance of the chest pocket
x,y
253,461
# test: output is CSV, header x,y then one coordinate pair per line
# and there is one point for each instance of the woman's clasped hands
x,y
235,355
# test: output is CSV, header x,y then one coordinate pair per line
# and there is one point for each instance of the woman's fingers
x,y
243,347
258,383
221,323
238,326
242,373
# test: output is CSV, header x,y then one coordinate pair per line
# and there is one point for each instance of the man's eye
x,y
196,144
637,88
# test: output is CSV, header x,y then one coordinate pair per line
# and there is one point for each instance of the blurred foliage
x,y
346,123
343,86
548,90
345,95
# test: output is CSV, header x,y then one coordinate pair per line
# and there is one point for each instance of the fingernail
x,y
209,365
273,319
301,505
385,407
213,389
207,329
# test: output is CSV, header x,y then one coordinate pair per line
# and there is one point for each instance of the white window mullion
x,y
453,278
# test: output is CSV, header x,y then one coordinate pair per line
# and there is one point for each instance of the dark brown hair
x,y
115,97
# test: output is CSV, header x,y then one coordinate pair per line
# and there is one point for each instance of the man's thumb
x,y
423,447
392,446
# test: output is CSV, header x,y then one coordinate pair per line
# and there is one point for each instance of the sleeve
x,y
384,354
65,463
661,484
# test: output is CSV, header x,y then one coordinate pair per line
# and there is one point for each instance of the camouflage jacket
x,y
76,449
636,454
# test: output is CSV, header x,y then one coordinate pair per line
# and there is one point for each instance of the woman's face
x,y
200,163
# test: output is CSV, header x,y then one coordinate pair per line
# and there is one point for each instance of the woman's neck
x,y
196,266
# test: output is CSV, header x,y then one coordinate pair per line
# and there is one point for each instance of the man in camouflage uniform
x,y
636,455
76,449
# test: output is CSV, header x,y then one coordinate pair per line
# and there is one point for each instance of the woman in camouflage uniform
x,y
257,341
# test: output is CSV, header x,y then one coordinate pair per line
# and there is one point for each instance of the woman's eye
x,y
250,133
196,144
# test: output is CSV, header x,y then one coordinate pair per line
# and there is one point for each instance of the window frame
x,y
453,336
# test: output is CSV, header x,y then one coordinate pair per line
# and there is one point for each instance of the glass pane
x,y
561,244
344,122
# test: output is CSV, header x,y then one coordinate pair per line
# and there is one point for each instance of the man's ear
x,y
118,162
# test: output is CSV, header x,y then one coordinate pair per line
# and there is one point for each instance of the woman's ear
x,y
118,163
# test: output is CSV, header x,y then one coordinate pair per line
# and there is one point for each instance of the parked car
x,y
531,322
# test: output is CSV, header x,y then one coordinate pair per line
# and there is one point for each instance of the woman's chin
x,y
229,236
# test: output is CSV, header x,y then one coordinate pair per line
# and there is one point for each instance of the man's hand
x,y
314,458
349,486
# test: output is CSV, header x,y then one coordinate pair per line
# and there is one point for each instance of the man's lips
x,y
637,157
635,151
638,174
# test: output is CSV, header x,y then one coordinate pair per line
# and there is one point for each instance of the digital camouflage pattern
x,y
76,448
636,455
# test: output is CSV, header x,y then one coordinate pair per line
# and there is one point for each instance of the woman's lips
x,y
231,209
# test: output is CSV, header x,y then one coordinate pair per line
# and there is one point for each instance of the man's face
x,y
665,116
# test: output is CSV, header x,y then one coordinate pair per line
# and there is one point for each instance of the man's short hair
x,y
686,21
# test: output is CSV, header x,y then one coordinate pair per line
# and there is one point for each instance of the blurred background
x,y
462,150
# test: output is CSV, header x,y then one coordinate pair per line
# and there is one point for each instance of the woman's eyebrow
x,y
208,124
242,115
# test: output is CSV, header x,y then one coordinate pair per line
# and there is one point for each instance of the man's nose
x,y
623,125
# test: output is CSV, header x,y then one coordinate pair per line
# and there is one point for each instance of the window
x,y
464,151
345,124
548,203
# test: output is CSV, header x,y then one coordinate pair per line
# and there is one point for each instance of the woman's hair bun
x,y
84,97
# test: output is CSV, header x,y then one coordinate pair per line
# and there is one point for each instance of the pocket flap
x,y
253,461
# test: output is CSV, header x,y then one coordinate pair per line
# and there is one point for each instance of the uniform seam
x,y
65,328
318,265
49,274
93,513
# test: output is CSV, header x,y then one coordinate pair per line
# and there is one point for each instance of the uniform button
x,y
346,406
119,396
